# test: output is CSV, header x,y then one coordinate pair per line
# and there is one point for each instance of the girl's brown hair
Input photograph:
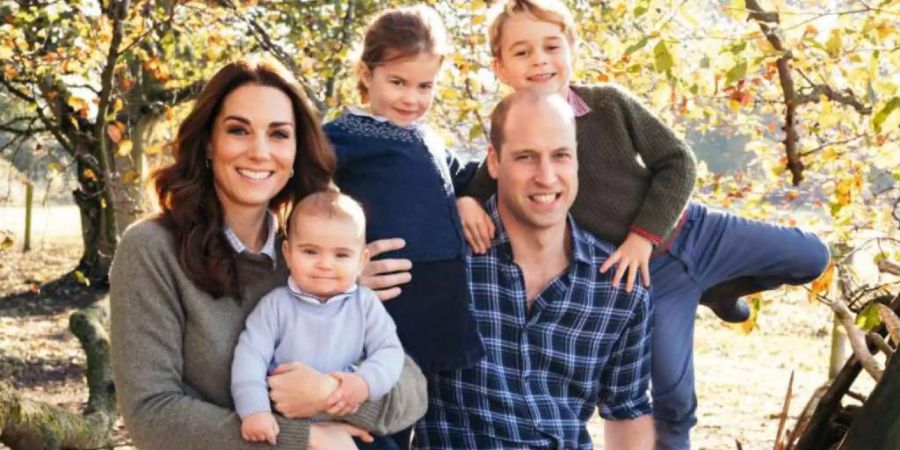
x,y
187,197
398,34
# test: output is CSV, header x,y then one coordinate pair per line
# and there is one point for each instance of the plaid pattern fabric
x,y
268,247
579,107
583,345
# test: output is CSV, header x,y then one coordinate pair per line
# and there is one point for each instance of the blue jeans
x,y
713,247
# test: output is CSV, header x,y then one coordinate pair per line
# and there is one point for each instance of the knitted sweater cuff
x,y
653,238
292,434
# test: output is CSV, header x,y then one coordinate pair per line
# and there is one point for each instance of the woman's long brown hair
x,y
190,208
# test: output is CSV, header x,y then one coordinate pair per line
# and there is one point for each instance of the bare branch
x,y
880,343
890,267
830,144
854,335
768,23
845,97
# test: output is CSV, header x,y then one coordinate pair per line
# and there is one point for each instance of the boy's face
x,y
533,55
325,255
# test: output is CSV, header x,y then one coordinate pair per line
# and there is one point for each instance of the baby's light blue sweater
x,y
348,332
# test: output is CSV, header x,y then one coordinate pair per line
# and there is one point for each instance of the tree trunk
x,y
98,229
28,425
877,425
129,179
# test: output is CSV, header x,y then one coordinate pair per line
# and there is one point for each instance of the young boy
x,y
321,318
636,178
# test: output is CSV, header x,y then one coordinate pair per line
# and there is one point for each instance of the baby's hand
x,y
260,427
347,398
477,224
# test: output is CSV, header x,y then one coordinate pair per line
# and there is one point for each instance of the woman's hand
x,y
385,275
632,256
477,224
335,436
298,390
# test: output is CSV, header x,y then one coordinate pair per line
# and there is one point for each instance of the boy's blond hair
x,y
329,204
553,11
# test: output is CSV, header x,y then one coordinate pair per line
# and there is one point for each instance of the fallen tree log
x,y
30,425
876,426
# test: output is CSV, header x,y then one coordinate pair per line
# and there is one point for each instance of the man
x,y
560,339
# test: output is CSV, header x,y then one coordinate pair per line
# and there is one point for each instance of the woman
x,y
182,283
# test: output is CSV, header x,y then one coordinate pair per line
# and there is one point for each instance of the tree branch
x,y
854,335
768,23
845,97
890,267
346,26
268,44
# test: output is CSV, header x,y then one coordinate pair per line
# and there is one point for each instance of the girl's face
x,y
402,90
533,55
252,148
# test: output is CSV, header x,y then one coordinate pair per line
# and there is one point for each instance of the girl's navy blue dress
x,y
406,181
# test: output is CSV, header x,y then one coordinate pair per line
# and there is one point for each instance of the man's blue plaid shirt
x,y
584,344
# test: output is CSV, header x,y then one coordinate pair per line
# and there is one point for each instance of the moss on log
x,y
29,425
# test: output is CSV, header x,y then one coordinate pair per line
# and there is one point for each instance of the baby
x,y
321,318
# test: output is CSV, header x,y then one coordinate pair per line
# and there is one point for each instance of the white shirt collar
x,y
268,247
309,298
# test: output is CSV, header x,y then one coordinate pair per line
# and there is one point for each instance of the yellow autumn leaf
x,y
154,149
89,174
821,285
125,147
131,176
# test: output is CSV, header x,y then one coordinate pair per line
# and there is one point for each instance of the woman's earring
x,y
207,163
292,174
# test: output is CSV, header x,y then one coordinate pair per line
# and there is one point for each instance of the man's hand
x,y
632,256
260,427
298,390
383,276
346,399
477,224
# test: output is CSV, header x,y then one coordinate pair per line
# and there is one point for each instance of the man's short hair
x,y
524,97
553,11
331,205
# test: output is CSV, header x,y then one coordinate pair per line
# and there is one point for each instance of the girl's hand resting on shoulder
x,y
477,224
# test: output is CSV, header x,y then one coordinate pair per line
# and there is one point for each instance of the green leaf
x,y
79,276
475,132
868,318
640,10
637,46
737,47
662,57
736,73
834,43
884,113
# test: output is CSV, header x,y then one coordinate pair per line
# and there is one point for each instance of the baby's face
x,y
325,255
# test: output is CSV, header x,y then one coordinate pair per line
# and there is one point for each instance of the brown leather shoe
x,y
725,299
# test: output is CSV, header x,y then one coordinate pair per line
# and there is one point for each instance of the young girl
x,y
393,164
636,178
